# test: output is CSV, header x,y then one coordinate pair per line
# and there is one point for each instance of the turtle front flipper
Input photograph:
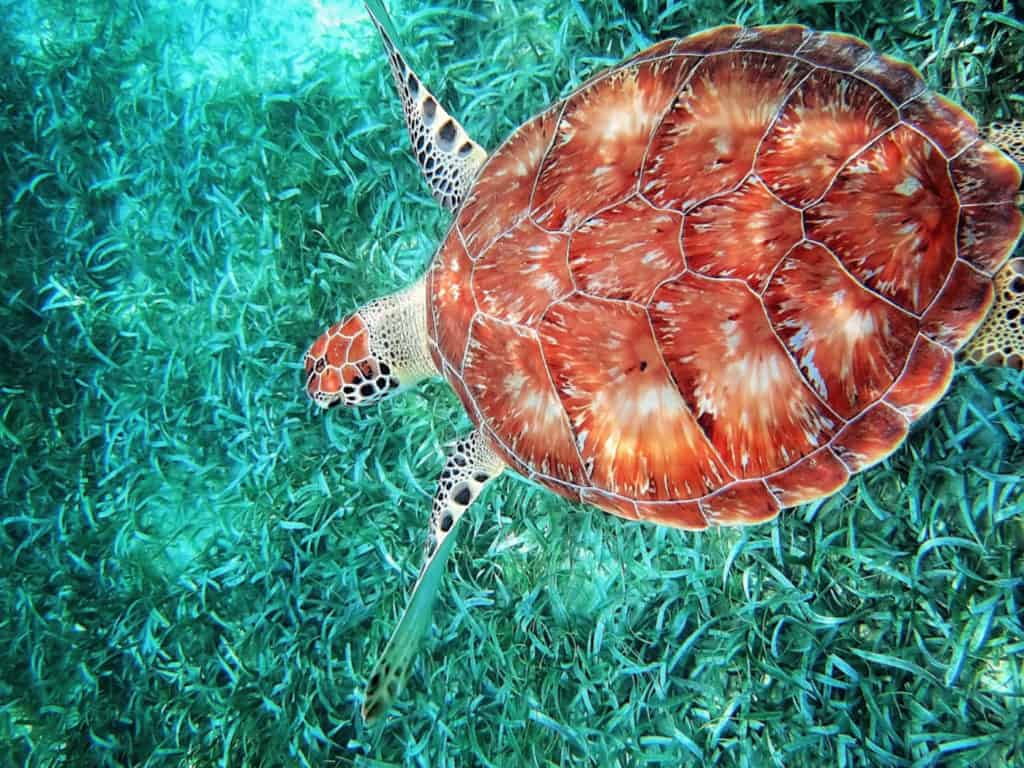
x,y
448,157
472,463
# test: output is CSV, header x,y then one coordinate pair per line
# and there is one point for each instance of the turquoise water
x,y
198,569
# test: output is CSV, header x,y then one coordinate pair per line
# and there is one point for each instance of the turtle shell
x,y
720,278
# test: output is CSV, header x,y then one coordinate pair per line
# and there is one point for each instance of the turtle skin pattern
x,y
720,278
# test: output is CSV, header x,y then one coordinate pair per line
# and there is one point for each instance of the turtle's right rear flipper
x,y
1008,135
1000,339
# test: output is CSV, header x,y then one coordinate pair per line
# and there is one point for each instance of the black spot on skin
x,y
462,496
413,85
429,110
460,460
348,389
446,136
334,403
393,382
446,523
320,365
643,365
385,369
465,149
381,383
446,473
367,390
480,477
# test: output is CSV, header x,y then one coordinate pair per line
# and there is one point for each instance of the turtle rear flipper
x,y
448,157
471,464
1000,339
1008,135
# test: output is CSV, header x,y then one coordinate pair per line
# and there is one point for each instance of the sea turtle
x,y
712,282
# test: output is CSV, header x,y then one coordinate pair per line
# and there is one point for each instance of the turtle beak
x,y
323,384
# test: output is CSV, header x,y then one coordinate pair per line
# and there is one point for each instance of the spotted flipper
x,y
1000,339
448,157
1008,136
472,463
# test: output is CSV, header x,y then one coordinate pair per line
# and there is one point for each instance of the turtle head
x,y
341,369
376,351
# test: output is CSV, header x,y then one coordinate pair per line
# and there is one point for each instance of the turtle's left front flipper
x,y
472,463
448,157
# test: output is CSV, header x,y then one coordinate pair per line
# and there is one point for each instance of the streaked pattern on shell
x,y
722,277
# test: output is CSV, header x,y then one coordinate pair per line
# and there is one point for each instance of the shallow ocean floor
x,y
197,569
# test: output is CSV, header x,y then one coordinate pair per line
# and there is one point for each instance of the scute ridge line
x,y
775,120
544,158
472,271
469,339
671,278
949,276
758,178
661,120
793,361
955,157
860,283
782,258
671,376
764,482
919,339
835,176
850,471
561,403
